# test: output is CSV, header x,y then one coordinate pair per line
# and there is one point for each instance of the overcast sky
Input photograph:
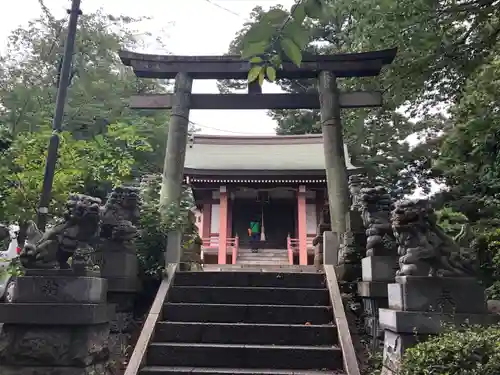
x,y
187,27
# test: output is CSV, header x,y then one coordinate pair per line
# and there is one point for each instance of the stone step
x,y
242,276
267,257
270,314
164,370
249,295
245,333
245,356
263,262
261,256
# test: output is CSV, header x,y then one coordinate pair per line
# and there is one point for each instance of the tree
x,y
108,158
441,43
468,160
100,86
377,139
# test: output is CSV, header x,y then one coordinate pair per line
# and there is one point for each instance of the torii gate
x,y
327,68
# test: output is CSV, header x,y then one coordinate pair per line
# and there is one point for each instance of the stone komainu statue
x,y
424,248
375,205
119,217
53,248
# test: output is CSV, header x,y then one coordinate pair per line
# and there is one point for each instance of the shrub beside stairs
x,y
244,322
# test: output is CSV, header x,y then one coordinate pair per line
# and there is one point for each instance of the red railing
x,y
293,247
235,249
212,244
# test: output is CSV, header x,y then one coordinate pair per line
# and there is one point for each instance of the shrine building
x,y
279,180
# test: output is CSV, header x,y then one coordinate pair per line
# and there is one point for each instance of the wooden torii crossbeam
x,y
363,64
326,68
359,99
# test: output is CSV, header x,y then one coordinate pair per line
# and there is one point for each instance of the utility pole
x,y
62,90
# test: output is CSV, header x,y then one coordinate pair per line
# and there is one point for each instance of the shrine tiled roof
x,y
219,155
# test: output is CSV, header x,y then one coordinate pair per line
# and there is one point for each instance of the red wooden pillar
x,y
223,225
302,225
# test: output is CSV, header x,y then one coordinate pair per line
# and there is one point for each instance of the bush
x,y
154,226
487,248
472,351
451,221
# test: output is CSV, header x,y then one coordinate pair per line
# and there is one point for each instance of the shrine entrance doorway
x,y
277,213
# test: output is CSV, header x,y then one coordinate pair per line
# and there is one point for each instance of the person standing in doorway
x,y
254,234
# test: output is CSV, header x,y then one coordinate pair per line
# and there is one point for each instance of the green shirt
x,y
255,227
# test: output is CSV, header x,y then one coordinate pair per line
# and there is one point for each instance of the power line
x,y
225,9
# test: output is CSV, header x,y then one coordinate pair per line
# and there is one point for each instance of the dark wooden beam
x,y
254,87
358,99
233,67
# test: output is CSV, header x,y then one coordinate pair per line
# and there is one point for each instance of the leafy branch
x,y
278,37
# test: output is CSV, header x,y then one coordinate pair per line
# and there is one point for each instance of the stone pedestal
x,y
421,306
352,245
119,266
377,273
58,324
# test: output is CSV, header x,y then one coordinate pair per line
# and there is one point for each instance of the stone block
x,y
348,272
372,305
354,222
59,272
27,345
395,344
330,248
439,294
55,314
379,268
417,322
60,289
372,327
372,289
95,369
123,285
380,251
119,265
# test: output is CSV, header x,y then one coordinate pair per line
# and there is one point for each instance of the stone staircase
x,y
266,257
264,323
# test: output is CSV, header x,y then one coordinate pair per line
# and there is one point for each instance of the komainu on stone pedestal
x,y
118,219
376,207
356,183
424,248
53,248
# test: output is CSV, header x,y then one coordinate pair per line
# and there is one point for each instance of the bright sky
x,y
188,27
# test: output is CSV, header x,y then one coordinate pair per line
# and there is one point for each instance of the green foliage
x,y
472,351
377,139
468,160
451,221
100,88
152,242
108,157
279,36
156,223
104,142
487,248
